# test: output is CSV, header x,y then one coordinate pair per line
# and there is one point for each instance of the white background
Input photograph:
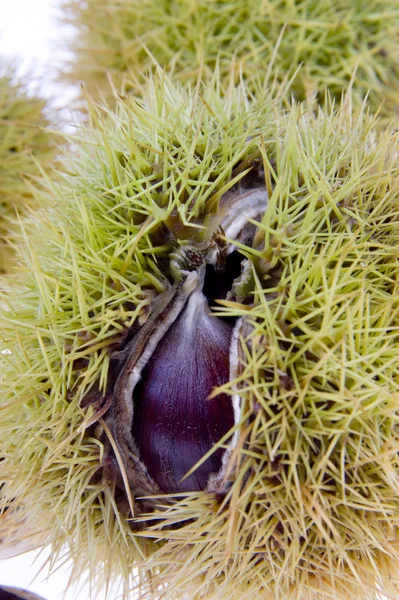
x,y
31,34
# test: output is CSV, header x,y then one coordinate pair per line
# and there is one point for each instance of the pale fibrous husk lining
x,y
312,503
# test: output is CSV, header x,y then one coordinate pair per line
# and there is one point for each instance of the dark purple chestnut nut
x,y
11,593
175,424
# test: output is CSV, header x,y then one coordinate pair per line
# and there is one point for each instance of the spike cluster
x,y
23,140
91,266
300,497
329,40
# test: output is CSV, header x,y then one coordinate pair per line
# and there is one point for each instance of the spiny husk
x,y
120,38
313,509
88,272
23,141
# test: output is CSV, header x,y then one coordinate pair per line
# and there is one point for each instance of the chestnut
x,y
166,420
11,593
175,424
